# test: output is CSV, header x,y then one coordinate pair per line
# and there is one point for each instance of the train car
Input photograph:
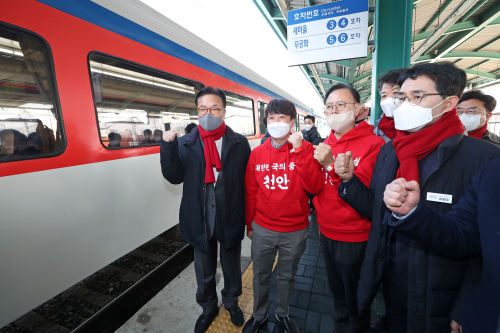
x,y
86,89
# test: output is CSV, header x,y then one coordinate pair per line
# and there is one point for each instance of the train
x,y
86,88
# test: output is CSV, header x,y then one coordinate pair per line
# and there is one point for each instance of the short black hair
x,y
338,86
208,90
158,130
448,78
391,76
189,128
265,121
114,136
148,131
281,106
489,101
313,119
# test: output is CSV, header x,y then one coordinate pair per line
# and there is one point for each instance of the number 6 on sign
x,y
343,38
331,39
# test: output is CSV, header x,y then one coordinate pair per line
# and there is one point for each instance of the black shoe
x,y
236,316
252,325
288,324
204,321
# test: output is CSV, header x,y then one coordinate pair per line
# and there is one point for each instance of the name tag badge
x,y
438,197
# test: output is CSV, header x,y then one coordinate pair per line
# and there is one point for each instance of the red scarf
x,y
212,158
478,134
387,126
411,148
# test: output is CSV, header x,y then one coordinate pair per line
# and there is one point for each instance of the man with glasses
x,y
423,290
475,109
344,232
210,161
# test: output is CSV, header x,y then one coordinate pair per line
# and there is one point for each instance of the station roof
x,y
470,39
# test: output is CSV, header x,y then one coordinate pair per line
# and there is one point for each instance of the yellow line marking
x,y
222,323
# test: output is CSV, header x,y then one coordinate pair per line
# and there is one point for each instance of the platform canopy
x,y
465,32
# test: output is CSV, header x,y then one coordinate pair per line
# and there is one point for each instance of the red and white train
x,y
74,195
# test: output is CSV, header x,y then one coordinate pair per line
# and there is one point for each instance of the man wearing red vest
x,y
475,109
423,290
344,231
279,177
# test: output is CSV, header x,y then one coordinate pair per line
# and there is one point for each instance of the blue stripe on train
x,y
102,17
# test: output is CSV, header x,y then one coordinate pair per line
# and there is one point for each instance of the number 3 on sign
x,y
331,24
331,39
343,38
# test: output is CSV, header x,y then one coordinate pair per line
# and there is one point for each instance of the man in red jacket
x,y
344,232
279,177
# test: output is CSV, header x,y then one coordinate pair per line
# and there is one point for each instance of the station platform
x,y
175,310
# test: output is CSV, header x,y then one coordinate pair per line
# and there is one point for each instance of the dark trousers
x,y
343,266
395,302
205,267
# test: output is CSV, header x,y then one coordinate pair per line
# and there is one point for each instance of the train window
x,y
240,114
135,104
262,116
30,119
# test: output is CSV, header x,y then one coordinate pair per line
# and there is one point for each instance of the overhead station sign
x,y
328,32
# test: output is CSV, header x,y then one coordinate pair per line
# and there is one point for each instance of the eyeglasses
x,y
470,111
413,99
340,106
213,111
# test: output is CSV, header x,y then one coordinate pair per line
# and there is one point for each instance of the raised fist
x,y
401,196
323,153
295,139
344,166
169,136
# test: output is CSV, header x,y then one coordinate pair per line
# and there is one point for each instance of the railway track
x,y
105,300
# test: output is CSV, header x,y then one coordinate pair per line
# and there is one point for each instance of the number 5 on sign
x,y
331,39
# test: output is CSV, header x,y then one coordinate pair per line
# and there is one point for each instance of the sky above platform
x,y
238,29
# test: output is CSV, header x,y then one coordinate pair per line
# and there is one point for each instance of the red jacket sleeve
x,y
364,170
251,188
309,169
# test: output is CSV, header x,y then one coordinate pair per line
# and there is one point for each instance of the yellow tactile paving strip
x,y
222,323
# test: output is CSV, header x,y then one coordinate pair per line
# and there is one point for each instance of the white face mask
x,y
157,138
412,118
308,127
339,122
278,130
388,107
471,122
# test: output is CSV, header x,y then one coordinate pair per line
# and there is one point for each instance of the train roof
x,y
136,20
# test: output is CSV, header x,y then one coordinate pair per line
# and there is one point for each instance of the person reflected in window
x,y
12,143
157,135
114,140
189,128
34,146
148,137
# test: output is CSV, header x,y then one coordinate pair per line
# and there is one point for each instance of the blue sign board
x,y
328,32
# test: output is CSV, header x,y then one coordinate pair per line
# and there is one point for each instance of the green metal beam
x,y
277,14
473,10
489,43
436,16
363,60
364,84
352,71
332,77
486,18
479,73
465,55
457,27
305,70
362,76
435,43
266,8
309,3
479,64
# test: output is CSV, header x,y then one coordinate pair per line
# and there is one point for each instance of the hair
x,y
391,77
189,128
489,101
158,130
265,121
147,131
208,90
448,78
281,106
114,136
313,119
338,86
